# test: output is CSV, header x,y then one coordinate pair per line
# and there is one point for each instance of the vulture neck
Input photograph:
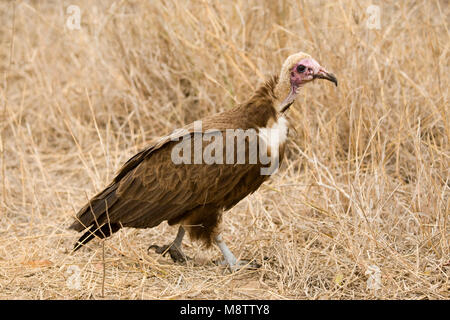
x,y
285,96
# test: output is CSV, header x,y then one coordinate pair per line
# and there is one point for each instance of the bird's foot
x,y
175,253
238,265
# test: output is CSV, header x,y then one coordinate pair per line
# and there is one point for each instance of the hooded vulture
x,y
212,175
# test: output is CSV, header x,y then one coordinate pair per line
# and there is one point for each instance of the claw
x,y
159,249
175,253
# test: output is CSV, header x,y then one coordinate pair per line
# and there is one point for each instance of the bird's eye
x,y
301,68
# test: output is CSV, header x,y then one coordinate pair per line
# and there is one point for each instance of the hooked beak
x,y
327,76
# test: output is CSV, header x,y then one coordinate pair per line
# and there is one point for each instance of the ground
x,y
358,210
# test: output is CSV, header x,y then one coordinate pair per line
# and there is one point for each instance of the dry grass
x,y
366,179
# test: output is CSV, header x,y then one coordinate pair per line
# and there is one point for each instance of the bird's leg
x,y
229,258
174,249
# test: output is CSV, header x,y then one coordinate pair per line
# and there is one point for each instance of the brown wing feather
x,y
157,189
166,190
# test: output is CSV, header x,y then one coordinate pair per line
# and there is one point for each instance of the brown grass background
x,y
366,180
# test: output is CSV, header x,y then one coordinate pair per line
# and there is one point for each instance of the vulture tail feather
x,y
103,232
95,211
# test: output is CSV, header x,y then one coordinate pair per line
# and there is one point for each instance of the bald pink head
x,y
298,69
307,70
